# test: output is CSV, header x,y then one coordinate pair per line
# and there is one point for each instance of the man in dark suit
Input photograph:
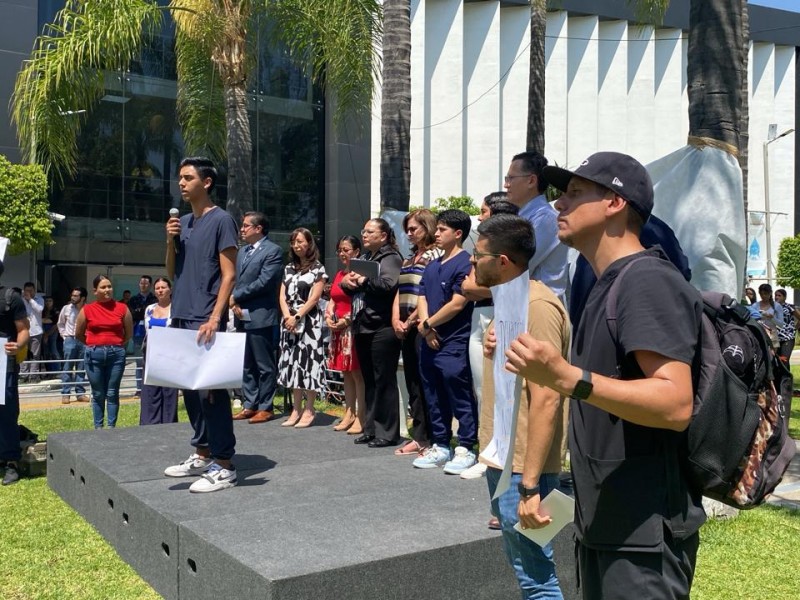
x,y
259,267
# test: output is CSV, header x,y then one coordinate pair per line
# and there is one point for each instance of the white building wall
x,y
609,85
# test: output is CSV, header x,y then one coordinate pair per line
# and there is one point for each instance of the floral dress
x,y
302,354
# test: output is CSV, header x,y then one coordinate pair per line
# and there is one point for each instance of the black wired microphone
x,y
176,239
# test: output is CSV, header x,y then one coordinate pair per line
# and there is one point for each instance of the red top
x,y
105,323
342,303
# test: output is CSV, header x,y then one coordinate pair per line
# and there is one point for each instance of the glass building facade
x,y
131,144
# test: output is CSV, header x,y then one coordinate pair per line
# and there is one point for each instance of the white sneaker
x,y
476,471
463,459
433,457
191,467
215,479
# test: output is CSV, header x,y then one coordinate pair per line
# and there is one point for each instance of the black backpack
x,y
737,446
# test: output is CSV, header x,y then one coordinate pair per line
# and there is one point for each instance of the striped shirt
x,y
410,277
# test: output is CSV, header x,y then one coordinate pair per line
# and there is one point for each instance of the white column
x,y
582,72
515,34
556,47
668,117
419,113
444,72
612,79
481,119
781,152
375,151
762,101
641,96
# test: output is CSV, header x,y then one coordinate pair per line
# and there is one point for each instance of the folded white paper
x,y
560,508
175,359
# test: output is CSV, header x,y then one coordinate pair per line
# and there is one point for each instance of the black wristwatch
x,y
526,492
583,388
425,325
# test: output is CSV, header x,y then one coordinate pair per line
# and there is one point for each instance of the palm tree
x,y
536,78
396,105
334,40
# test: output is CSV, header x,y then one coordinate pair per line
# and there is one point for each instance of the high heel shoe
x,y
347,421
292,420
307,420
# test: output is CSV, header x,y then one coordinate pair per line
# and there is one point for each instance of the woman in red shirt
x,y
104,326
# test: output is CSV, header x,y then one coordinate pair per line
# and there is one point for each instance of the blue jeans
x,y
533,565
73,351
104,368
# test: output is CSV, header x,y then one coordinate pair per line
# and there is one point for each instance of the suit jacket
x,y
258,281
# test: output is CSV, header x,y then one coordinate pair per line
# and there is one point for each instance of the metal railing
x,y
47,383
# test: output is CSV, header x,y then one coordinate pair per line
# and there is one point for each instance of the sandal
x,y
409,448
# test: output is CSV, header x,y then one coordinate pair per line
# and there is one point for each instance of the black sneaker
x,y
11,475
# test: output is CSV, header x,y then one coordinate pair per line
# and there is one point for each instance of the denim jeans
x,y
73,351
533,565
104,368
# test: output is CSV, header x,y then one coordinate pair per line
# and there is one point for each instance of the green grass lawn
x,y
47,551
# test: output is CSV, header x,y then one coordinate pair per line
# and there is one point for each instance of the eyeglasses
x,y
368,231
248,225
344,250
479,255
508,178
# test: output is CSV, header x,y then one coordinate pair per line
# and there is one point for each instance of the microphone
x,y
176,240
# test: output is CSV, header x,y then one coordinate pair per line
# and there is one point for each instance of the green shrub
x,y
24,214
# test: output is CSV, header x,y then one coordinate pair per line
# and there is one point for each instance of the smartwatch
x,y
526,492
583,388
425,325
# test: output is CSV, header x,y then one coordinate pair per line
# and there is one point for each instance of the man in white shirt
x,y
73,349
525,187
34,305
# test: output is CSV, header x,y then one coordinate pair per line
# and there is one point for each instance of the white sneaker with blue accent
x,y
192,467
463,459
433,457
215,479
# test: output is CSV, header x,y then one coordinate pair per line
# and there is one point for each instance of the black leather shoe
x,y
364,439
380,443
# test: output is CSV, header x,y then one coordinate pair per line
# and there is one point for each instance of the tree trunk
x,y
744,134
715,70
535,138
239,148
396,106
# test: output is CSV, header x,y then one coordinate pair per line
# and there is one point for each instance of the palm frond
x,y
335,40
65,73
650,11
201,108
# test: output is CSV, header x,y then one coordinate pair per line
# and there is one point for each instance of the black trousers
x,y
416,400
622,575
379,354
209,413
260,371
9,414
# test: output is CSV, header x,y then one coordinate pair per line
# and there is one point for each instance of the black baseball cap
x,y
622,174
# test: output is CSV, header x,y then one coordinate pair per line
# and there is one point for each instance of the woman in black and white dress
x,y
301,365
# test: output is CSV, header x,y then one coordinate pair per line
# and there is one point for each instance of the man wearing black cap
x,y
631,391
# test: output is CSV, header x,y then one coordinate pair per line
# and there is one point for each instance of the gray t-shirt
x,y
197,272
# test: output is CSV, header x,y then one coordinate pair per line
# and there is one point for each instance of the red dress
x,y
341,351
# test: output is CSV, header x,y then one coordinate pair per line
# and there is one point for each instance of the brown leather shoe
x,y
64,399
261,416
84,398
243,414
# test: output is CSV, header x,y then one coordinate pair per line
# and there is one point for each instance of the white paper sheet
x,y
245,314
560,508
510,321
175,359
3,370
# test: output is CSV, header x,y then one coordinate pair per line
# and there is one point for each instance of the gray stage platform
x,y
313,516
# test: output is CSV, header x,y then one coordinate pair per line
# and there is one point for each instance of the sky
x,y
792,5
